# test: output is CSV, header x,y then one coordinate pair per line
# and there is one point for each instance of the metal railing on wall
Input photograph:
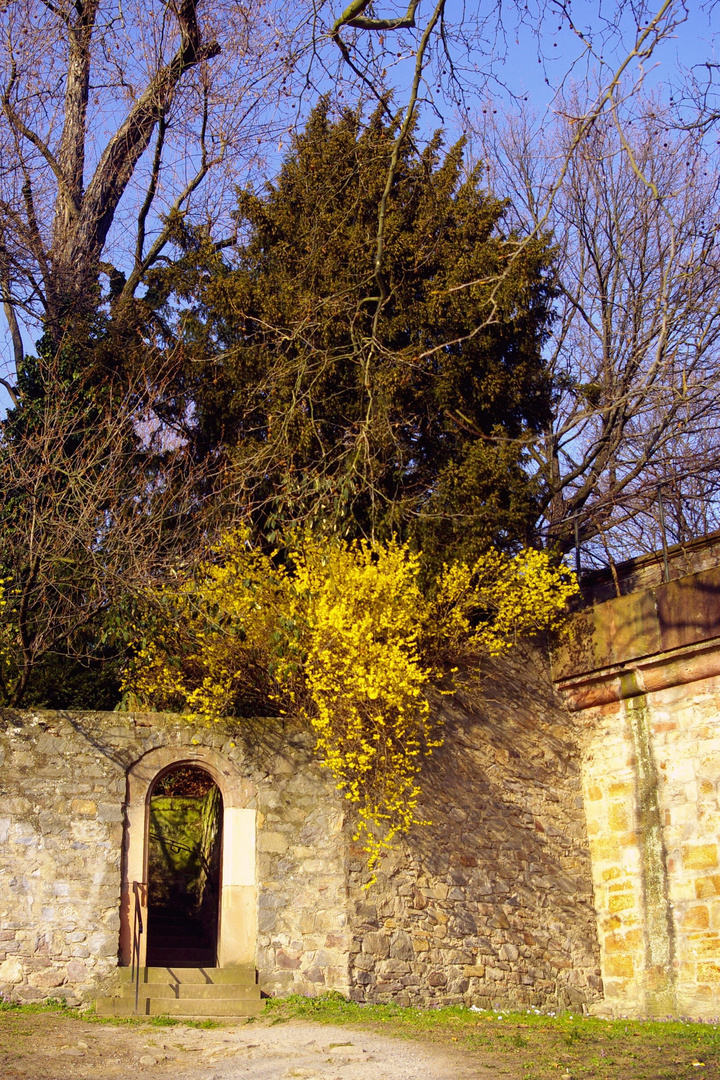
x,y
140,901
596,546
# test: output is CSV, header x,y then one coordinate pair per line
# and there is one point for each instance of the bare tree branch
x,y
33,137
635,352
353,16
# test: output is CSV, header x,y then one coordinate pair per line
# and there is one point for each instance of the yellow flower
x,y
341,635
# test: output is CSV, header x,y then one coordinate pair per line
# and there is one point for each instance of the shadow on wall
x,y
492,901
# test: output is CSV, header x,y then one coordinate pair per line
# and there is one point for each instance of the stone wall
x,y
491,902
62,795
648,571
60,832
644,682
651,779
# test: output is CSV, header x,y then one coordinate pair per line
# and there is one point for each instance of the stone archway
x,y
237,931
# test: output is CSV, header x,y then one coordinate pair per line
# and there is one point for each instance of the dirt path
x,y
51,1047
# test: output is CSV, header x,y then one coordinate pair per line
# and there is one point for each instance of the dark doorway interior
x,y
184,869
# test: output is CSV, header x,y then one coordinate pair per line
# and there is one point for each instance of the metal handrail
x,y
139,888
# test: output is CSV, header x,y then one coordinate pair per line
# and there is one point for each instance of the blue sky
x,y
536,56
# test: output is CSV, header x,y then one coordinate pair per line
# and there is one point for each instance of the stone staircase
x,y
190,992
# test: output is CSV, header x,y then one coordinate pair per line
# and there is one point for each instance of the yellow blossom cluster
x,y
340,635
363,679
483,609
6,635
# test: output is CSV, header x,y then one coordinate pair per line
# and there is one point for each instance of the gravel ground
x,y
48,1047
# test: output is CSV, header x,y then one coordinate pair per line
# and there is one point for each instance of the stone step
x,y
181,991
240,975
181,957
197,990
188,1007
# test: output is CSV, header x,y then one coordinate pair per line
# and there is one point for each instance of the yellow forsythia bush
x,y
5,636
342,636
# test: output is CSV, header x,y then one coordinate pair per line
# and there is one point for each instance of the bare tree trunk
x,y
83,219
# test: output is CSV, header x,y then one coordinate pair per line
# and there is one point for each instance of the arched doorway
x,y
233,942
184,866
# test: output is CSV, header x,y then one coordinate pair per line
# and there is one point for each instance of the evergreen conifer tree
x,y
361,403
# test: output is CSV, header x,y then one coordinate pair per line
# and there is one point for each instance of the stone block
x,y
401,946
623,943
267,921
392,967
709,972
28,994
704,945
287,962
377,944
47,979
605,848
699,856
620,902
103,943
625,885
53,746
11,971
619,966
272,842
618,817
696,917
364,962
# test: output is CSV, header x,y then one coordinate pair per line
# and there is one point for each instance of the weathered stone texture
x,y
60,869
684,742
642,672
303,939
492,902
62,794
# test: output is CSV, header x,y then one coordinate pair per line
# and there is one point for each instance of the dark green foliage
x,y
310,389
69,682
350,409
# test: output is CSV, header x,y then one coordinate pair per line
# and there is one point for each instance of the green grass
x,y
536,1044
88,1015
523,1045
